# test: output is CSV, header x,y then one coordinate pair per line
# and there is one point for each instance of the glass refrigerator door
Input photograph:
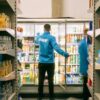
x,y
61,59
38,31
27,56
56,31
73,36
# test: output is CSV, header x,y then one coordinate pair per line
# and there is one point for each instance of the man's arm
x,y
57,48
37,39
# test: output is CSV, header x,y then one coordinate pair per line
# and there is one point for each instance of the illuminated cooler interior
x,y
68,36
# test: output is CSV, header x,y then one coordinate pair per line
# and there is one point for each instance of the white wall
x,y
35,8
42,8
76,8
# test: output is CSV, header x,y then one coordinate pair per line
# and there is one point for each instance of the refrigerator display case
x,y
68,34
74,35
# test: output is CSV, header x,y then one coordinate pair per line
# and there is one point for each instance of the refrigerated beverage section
x,y
73,36
68,35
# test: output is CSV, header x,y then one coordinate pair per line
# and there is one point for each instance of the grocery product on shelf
x,y
5,43
5,68
73,79
28,57
74,38
4,21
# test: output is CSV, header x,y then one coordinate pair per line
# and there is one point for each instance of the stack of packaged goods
x,y
5,68
5,43
27,75
74,38
72,68
28,50
29,57
5,65
72,79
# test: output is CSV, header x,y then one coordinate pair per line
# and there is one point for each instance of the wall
x,y
43,8
76,8
35,8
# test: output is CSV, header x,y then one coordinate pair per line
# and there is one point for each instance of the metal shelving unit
x,y
8,77
8,59
8,52
7,31
96,50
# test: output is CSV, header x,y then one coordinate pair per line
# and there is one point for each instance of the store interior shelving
x,y
8,76
97,52
73,37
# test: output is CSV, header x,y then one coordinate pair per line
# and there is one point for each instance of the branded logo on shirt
x,y
43,40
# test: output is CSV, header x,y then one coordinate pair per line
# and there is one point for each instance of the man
x,y
47,45
83,52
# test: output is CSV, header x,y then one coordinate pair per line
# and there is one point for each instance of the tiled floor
x,y
58,90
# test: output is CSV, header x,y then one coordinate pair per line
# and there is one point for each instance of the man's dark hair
x,y
47,27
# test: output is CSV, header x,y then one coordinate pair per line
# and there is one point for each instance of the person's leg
x,y
50,72
41,79
86,93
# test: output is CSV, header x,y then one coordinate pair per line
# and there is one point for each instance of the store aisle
x,y
70,93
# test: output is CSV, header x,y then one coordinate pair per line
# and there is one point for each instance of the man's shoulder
x,y
51,36
82,41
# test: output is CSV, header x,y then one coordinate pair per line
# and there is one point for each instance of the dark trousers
x,y
86,93
43,68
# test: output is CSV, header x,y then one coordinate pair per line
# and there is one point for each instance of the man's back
x,y
46,54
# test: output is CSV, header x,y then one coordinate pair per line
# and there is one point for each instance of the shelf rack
x,y
8,8
10,76
10,52
96,44
7,31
